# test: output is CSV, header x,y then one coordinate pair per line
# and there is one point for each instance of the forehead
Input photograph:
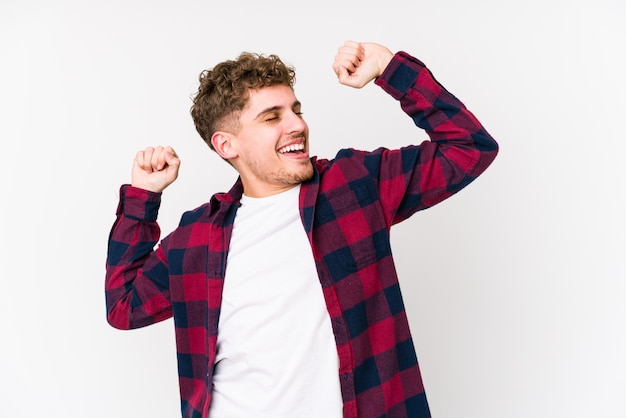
x,y
272,96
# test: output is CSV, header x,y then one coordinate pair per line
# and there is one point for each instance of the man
x,y
283,291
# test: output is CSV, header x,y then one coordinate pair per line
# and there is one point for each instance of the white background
x,y
516,287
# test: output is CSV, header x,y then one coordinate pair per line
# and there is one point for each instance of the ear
x,y
221,141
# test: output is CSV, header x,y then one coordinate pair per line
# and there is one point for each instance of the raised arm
x,y
459,149
137,279
418,176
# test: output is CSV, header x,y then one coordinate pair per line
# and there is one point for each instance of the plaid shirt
x,y
347,210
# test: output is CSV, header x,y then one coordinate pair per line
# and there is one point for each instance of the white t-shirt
x,y
276,354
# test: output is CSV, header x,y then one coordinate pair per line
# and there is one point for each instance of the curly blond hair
x,y
224,90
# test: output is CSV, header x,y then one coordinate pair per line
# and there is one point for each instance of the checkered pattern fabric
x,y
347,210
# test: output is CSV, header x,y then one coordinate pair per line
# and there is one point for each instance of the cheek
x,y
261,152
261,142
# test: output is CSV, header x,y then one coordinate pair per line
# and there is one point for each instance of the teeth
x,y
290,148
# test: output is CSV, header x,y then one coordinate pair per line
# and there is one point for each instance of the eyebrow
x,y
275,109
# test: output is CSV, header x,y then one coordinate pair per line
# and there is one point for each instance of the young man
x,y
283,291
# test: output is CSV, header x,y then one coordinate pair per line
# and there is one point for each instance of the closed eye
x,y
276,117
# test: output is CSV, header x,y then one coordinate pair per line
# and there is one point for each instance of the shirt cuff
x,y
400,74
138,204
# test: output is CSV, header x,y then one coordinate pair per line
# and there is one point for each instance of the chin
x,y
302,175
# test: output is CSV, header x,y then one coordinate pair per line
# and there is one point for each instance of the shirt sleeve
x,y
137,280
459,148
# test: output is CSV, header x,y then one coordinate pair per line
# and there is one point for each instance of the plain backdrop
x,y
515,288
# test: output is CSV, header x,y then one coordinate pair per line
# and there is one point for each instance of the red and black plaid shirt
x,y
347,210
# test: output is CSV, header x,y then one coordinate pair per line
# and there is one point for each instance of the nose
x,y
295,123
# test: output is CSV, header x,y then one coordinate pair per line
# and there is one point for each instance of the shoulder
x,y
352,161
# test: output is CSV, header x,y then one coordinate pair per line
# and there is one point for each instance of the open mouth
x,y
293,148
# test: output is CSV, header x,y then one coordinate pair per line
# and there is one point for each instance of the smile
x,y
291,148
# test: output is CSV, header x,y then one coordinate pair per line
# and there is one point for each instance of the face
x,y
271,148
